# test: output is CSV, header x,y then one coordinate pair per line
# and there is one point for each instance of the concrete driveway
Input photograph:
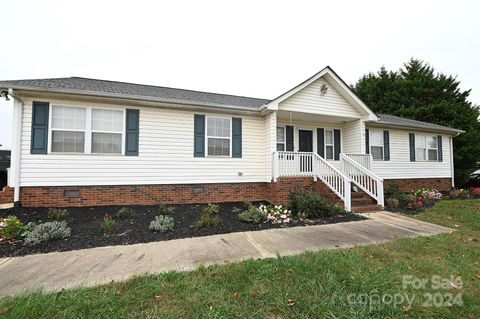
x,y
54,271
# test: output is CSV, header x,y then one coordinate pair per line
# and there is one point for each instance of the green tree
x,y
417,92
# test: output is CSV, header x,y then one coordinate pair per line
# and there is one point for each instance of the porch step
x,y
366,208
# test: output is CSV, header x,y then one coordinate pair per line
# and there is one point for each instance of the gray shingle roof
x,y
403,122
123,89
96,87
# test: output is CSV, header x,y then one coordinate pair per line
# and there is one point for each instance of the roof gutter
x,y
453,132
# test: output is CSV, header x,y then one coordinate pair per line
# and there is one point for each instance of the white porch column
x,y
270,143
16,149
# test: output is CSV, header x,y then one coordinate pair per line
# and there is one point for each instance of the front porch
x,y
327,148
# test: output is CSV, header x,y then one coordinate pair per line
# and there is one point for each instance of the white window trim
x,y
382,146
207,136
427,158
332,145
284,138
88,130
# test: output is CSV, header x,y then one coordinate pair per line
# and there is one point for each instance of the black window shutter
x,y
367,141
132,132
321,142
289,138
336,144
236,137
386,145
39,139
199,135
411,138
440,150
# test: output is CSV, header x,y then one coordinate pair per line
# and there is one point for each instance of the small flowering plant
x,y
276,214
10,227
427,195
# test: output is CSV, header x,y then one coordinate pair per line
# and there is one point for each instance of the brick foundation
x,y
6,195
281,189
143,194
406,185
277,193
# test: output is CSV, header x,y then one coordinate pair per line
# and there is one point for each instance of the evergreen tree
x,y
417,92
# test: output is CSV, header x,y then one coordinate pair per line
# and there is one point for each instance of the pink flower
x,y
409,206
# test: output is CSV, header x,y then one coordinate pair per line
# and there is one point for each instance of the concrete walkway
x,y
54,271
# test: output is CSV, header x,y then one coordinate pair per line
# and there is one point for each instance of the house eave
x,y
453,132
136,99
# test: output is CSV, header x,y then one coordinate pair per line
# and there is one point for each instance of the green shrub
x,y
247,206
209,217
57,214
252,215
458,194
408,199
309,204
108,224
211,209
164,210
10,227
207,221
392,202
392,190
124,213
161,224
46,232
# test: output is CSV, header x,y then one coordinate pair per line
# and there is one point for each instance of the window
x,y
376,145
68,129
86,130
218,136
426,148
280,139
107,128
329,145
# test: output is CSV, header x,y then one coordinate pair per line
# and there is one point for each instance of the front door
x,y
305,139
305,144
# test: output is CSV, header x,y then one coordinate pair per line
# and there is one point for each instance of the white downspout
x,y
451,161
16,145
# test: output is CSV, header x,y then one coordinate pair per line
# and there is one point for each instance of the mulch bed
x,y
411,212
86,232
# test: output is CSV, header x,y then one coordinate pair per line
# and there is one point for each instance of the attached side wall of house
x,y
418,173
165,154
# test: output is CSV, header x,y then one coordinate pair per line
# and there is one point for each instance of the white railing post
x,y
381,200
347,201
275,166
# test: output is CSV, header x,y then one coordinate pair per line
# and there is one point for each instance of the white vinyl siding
x,y
165,154
400,166
310,100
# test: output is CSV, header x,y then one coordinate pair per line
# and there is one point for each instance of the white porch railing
x,y
311,164
363,159
364,178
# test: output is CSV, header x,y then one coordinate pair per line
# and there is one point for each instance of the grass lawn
x,y
310,285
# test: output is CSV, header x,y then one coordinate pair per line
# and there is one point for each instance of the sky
x,y
250,48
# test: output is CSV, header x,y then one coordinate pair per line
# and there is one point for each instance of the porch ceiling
x,y
312,118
